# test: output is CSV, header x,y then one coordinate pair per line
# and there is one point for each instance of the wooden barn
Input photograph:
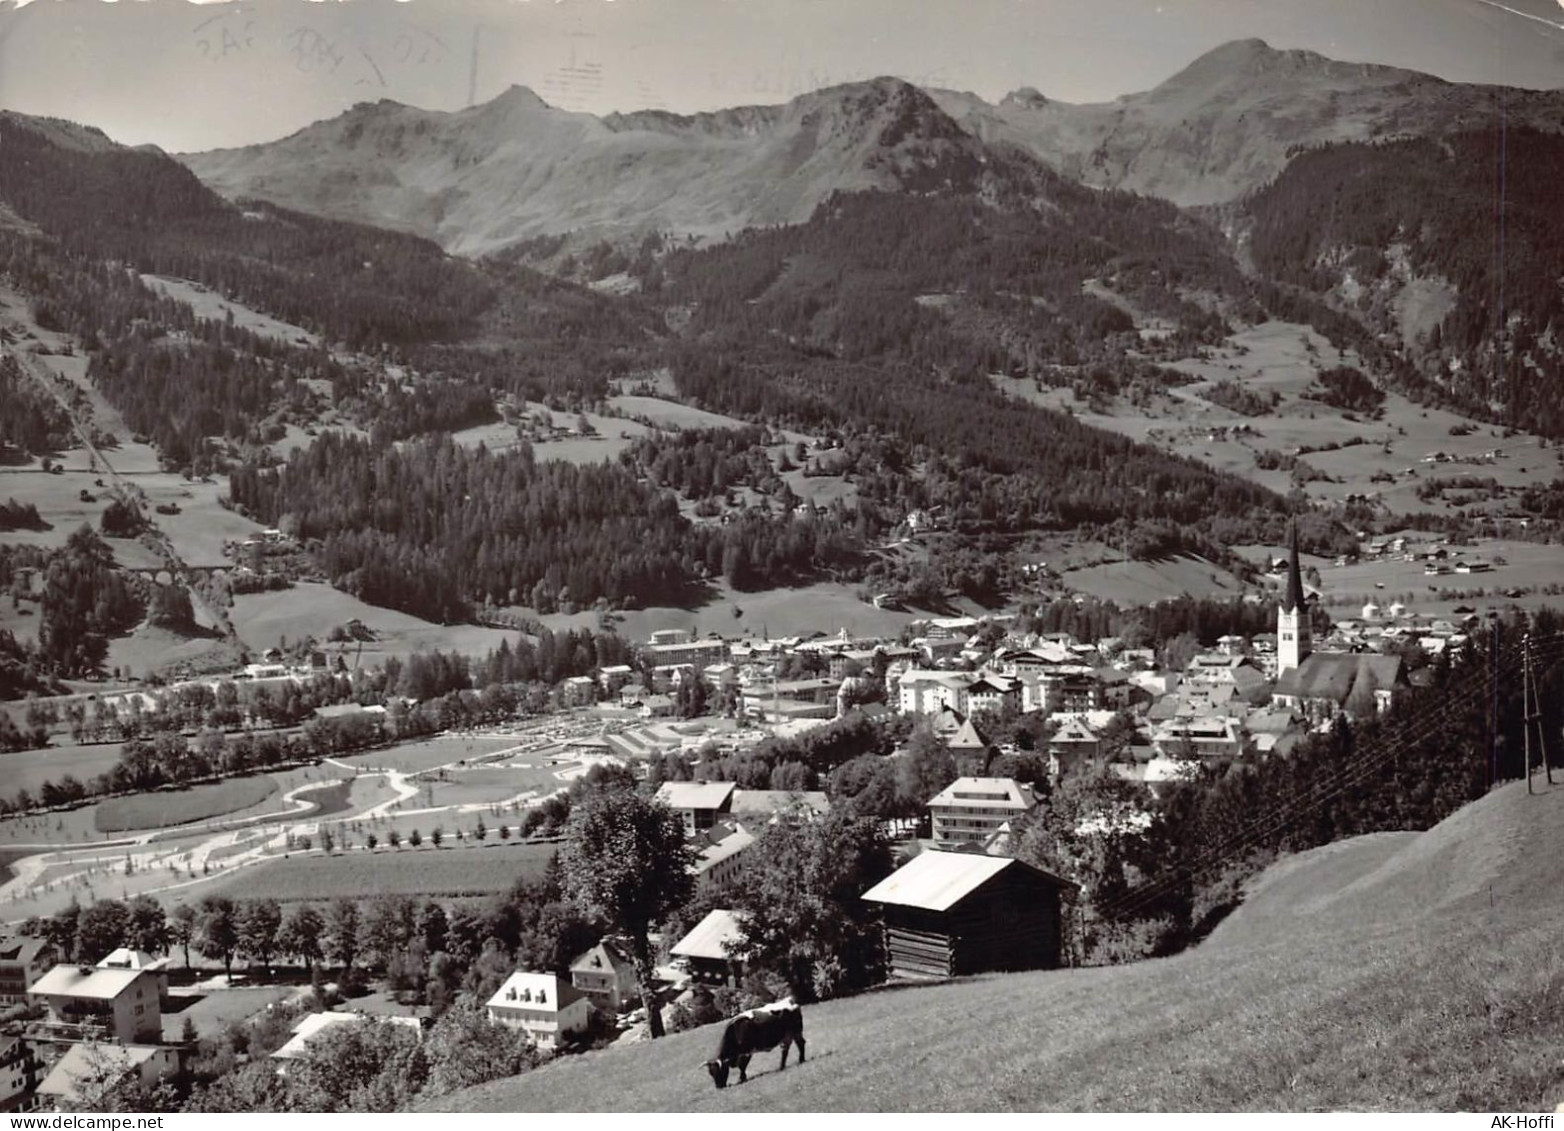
x,y
953,913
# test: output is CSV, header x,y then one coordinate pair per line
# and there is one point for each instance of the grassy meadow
x,y
1395,972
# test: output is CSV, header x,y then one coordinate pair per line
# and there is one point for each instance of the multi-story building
x,y
23,961
699,804
548,1008
970,810
102,1002
606,975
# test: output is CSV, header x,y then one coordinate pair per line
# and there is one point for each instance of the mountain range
x,y
515,169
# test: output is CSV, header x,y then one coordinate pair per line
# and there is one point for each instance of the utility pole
x,y
1531,710
1493,700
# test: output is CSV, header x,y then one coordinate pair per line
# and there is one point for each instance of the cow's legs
x,y
787,1043
743,1063
800,1040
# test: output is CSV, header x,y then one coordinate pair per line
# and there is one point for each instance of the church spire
x,y
1294,642
1294,599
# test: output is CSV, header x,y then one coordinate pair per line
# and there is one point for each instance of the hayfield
x,y
1394,972
313,608
1140,583
826,606
427,871
149,650
179,807
208,304
1283,358
671,414
29,769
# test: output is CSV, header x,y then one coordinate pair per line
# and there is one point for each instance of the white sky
x,y
187,76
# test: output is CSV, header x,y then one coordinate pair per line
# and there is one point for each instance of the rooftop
x,y
695,794
937,881
708,936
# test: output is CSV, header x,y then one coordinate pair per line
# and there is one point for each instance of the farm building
x,y
953,913
704,951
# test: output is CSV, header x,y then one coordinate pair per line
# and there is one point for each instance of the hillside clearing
x,y
1390,972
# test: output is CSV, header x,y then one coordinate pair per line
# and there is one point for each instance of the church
x,y
1321,685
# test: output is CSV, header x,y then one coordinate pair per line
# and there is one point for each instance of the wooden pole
x,y
1526,703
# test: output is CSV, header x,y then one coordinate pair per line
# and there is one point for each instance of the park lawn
x,y
213,1011
29,769
167,808
426,753
66,828
482,785
447,872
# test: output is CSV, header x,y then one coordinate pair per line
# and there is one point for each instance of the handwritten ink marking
x,y
226,36
370,60
312,51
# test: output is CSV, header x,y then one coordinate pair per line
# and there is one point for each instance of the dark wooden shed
x,y
953,913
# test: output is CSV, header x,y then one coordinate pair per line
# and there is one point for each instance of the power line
x,y
1260,830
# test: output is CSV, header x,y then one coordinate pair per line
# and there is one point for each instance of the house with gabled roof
x,y
606,975
88,1069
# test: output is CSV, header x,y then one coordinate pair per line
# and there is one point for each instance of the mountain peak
x,y
1026,97
517,97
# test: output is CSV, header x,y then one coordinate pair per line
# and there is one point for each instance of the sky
x,y
189,76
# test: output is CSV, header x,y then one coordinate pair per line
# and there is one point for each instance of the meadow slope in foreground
x,y
1398,971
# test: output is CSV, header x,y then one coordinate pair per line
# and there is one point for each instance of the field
x,y
29,769
483,785
198,803
312,609
826,606
474,787
1529,567
1384,459
1143,583
425,754
446,872
208,304
671,414
1395,972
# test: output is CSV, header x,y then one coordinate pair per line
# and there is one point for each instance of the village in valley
x,y
1008,713
915,594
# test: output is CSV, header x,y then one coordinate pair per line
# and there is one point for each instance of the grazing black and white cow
x,y
781,1023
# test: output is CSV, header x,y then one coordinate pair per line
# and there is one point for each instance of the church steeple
x,y
1294,600
1294,641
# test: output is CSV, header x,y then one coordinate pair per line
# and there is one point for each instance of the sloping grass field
x,y
1400,971
445,872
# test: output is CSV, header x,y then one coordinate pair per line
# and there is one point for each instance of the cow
x,y
758,1030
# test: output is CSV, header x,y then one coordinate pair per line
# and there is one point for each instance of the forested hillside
x,y
1453,247
885,312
